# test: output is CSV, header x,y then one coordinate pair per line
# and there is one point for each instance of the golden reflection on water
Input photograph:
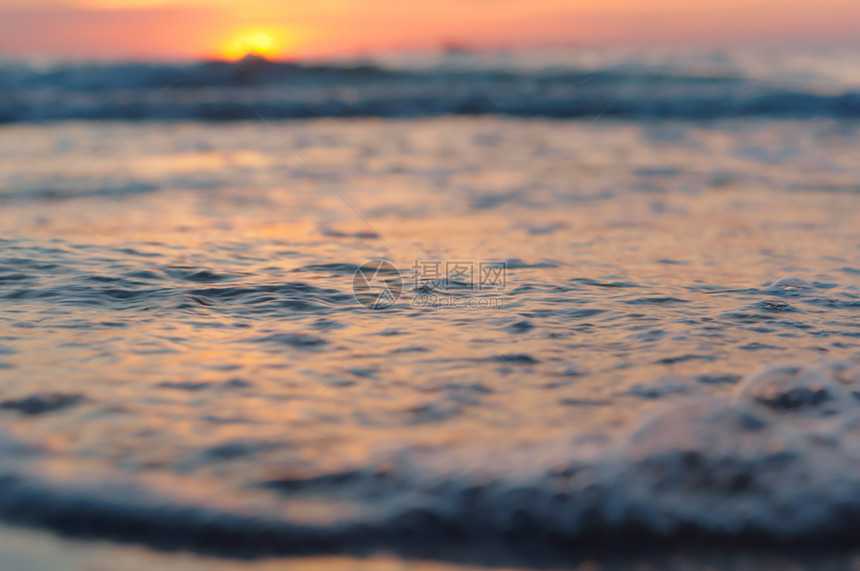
x,y
166,299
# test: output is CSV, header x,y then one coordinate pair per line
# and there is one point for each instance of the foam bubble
x,y
795,390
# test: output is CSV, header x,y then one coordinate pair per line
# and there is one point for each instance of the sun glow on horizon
x,y
265,42
229,29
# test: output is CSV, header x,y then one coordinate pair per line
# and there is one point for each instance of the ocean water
x,y
652,354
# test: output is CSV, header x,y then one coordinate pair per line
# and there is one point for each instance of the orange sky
x,y
181,29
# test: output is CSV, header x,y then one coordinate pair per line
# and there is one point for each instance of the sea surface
x,y
652,355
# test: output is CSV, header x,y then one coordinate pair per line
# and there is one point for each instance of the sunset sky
x,y
182,29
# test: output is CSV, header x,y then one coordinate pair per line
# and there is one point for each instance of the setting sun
x,y
268,43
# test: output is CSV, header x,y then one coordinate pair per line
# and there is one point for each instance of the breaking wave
x,y
775,463
227,91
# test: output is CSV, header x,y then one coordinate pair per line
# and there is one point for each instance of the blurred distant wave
x,y
225,91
